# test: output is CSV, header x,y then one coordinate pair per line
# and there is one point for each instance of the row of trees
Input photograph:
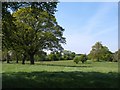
x,y
29,28
41,56
98,53
63,55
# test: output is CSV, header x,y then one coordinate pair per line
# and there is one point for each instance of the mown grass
x,y
60,74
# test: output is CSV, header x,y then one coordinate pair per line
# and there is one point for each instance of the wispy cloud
x,y
106,31
82,42
97,18
79,43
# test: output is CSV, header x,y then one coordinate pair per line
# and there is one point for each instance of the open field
x,y
60,74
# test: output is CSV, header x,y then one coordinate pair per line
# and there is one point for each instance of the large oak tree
x,y
31,28
36,30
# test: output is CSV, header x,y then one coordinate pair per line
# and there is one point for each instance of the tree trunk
x,y
82,61
17,61
31,58
16,58
24,57
8,61
8,58
98,59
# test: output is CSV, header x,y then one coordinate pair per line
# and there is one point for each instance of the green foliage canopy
x,y
33,27
100,52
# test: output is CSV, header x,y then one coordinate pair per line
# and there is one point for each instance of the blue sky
x,y
88,22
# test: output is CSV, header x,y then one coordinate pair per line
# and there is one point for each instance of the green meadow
x,y
60,74
59,45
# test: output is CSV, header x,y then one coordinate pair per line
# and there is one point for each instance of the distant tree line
x,y
99,53
41,56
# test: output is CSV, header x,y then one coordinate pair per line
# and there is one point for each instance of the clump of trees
x,y
83,58
61,55
102,53
54,56
76,59
68,55
116,56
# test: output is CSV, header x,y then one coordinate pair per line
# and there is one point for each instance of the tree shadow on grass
x,y
61,65
60,80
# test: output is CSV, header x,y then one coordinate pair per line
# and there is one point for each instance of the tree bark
x,y
98,59
24,57
17,61
16,58
8,58
82,61
8,61
31,58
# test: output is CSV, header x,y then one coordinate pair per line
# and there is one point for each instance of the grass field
x,y
60,74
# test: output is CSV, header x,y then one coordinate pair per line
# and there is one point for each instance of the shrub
x,y
52,57
76,59
83,58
